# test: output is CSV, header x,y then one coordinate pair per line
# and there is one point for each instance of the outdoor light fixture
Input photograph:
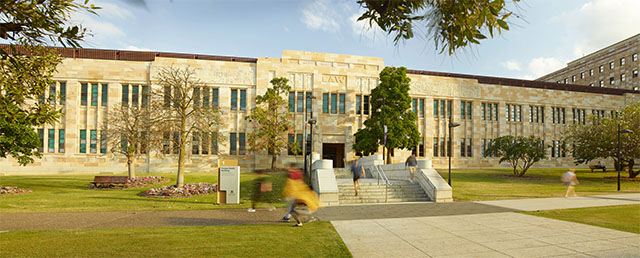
x,y
449,149
619,166
312,121
384,131
304,147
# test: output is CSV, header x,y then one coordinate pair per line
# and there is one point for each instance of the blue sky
x,y
549,34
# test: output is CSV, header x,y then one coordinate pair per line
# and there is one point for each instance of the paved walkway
x,y
462,229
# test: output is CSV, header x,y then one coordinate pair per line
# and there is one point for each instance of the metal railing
x,y
385,179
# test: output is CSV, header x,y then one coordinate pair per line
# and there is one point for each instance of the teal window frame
x,y
105,95
234,99
243,100
93,143
83,94
342,103
125,95
51,141
325,103
135,95
61,141
334,103
103,141
94,95
83,141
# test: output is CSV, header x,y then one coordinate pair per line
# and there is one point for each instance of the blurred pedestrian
x,y
294,174
358,172
570,179
305,201
261,192
412,163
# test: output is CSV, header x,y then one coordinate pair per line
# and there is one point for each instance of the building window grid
x,y
93,144
125,95
104,101
83,94
358,104
94,94
334,103
51,140
342,103
103,141
61,141
234,99
135,95
421,110
83,141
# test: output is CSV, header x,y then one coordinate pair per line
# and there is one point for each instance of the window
x,y
300,143
537,114
483,111
483,142
292,101
234,100
421,148
214,143
325,103
292,140
52,94
634,57
243,100
507,107
366,105
611,65
83,94
566,80
135,95
601,83
591,84
463,147
358,104
334,103
94,141
63,93
601,68
195,143
103,141
578,116
558,115
83,141
41,136
435,109
414,106
196,97
442,109
590,72
242,143
125,95
61,141
622,77
636,88
145,96
621,61
167,96
421,109
573,78
445,108
94,95
342,103
232,144
582,75
634,74
469,147
612,80
214,99
435,146
176,142
51,141
166,143
309,99
105,95
300,101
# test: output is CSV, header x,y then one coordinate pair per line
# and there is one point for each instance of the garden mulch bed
x,y
525,177
13,190
138,182
186,191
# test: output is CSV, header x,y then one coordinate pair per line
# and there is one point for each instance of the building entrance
x,y
335,152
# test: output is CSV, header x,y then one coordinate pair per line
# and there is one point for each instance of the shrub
x,y
186,190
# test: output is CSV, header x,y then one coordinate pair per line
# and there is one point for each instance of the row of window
x,y
93,141
53,98
558,115
51,140
297,138
513,113
634,58
444,109
489,111
330,103
612,79
304,99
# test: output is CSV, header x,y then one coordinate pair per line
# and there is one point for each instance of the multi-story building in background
x,y
334,88
615,66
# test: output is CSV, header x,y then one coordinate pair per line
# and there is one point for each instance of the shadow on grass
x,y
140,198
183,221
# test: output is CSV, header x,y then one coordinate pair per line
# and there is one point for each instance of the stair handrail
x,y
385,179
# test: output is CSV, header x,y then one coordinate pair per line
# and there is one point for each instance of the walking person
x,y
294,174
412,163
261,192
358,172
305,201
570,179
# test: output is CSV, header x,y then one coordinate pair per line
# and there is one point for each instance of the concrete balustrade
x,y
324,181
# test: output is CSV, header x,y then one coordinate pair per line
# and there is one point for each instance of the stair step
x,y
382,201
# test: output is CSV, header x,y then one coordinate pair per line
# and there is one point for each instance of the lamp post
x,y
309,100
449,149
384,131
312,121
619,166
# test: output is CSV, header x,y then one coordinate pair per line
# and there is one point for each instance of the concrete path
x,y
566,203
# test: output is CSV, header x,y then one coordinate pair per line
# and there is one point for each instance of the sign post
x,y
229,182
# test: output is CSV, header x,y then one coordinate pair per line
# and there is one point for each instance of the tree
x,y
132,131
598,138
391,99
520,151
183,112
26,68
451,24
271,121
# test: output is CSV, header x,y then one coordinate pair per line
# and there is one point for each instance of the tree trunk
x,y
632,174
388,156
273,160
131,167
180,180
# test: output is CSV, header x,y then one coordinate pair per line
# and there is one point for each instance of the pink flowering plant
x,y
188,190
9,190
136,182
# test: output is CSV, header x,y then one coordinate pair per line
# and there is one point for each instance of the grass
x,y
69,193
624,217
318,239
491,184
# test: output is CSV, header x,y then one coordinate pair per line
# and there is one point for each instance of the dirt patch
x,y
525,177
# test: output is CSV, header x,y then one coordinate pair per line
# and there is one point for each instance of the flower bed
x,y
188,190
141,181
11,190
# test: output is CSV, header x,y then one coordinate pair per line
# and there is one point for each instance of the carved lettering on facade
x,y
446,89
332,78
232,77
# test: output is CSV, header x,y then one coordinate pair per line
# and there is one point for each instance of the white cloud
x,y
321,15
511,65
600,23
112,11
134,48
362,28
102,28
543,65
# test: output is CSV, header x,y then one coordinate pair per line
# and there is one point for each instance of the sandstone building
x,y
615,66
94,81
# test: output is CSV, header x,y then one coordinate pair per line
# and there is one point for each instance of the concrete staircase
x,y
370,192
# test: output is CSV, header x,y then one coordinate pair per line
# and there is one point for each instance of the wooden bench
x,y
110,180
592,167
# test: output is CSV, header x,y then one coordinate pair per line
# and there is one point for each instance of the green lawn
x,y
69,193
624,217
318,239
490,184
